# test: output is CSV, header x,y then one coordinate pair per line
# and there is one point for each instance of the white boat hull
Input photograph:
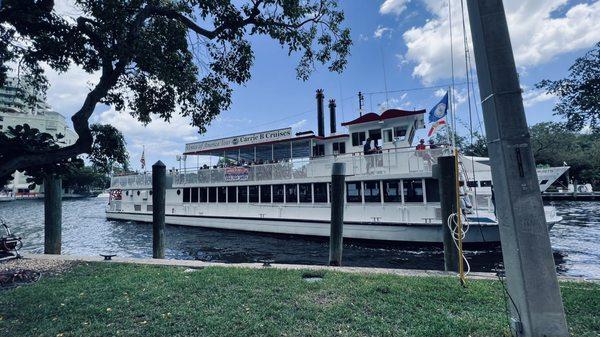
x,y
424,233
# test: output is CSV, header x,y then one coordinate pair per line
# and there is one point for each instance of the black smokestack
x,y
320,114
332,123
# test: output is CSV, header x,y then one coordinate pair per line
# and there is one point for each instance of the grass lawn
x,y
102,299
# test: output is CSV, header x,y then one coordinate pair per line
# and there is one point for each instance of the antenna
x,y
361,101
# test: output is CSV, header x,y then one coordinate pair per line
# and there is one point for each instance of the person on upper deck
x,y
367,147
432,144
421,145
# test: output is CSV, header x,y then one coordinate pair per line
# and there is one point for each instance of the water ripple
x,y
575,240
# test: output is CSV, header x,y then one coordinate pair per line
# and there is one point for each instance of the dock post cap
x,y
338,169
159,163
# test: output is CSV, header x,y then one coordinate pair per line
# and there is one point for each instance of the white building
x,y
17,108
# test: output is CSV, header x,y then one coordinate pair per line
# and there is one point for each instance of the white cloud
x,y
160,139
299,124
381,31
537,35
393,6
395,103
68,90
535,96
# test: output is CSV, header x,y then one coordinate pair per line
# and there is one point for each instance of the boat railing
x,y
406,161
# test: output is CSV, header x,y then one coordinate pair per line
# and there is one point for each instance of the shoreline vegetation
x,y
112,299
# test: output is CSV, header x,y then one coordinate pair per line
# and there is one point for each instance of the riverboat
x,y
279,182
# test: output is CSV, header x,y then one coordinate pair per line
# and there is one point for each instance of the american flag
x,y
143,159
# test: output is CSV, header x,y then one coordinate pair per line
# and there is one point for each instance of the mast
x,y
536,304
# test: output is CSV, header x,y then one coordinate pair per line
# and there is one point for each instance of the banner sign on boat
x,y
250,139
236,173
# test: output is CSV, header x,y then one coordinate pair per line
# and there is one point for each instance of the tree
x,y
108,149
85,179
159,57
579,93
477,148
108,152
553,144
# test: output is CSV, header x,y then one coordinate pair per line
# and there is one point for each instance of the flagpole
x,y
450,125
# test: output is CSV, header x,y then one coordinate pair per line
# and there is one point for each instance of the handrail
x,y
390,162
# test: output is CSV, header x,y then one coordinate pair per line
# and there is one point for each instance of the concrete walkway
x,y
201,264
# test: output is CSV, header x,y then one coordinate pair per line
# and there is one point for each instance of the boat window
x,y
212,194
375,134
400,132
222,193
247,154
318,150
543,181
203,195
339,148
242,193
301,149
231,156
412,131
195,194
265,194
320,192
413,190
291,193
372,192
281,151
432,188
470,183
231,194
353,192
264,153
278,193
253,193
388,136
186,194
305,193
391,191
358,138
485,183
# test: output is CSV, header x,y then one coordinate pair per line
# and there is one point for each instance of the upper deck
x,y
275,156
391,163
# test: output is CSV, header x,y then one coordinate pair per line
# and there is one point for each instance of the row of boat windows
x,y
407,190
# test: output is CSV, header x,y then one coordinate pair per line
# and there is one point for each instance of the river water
x,y
575,240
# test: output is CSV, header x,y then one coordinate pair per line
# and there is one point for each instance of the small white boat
x,y
276,182
103,195
6,195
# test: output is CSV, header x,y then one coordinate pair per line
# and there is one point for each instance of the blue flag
x,y
440,110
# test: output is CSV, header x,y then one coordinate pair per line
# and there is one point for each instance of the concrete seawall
x,y
201,264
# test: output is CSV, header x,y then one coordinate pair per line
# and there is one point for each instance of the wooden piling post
x,y
446,176
159,177
338,178
52,214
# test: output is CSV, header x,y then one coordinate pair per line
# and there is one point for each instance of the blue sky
x,y
408,38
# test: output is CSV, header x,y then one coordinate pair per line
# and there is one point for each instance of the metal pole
x,y
52,214
338,178
159,179
446,176
527,254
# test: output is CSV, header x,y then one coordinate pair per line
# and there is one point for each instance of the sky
x,y
400,46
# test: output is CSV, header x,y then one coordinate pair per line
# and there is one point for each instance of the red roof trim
x,y
391,113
